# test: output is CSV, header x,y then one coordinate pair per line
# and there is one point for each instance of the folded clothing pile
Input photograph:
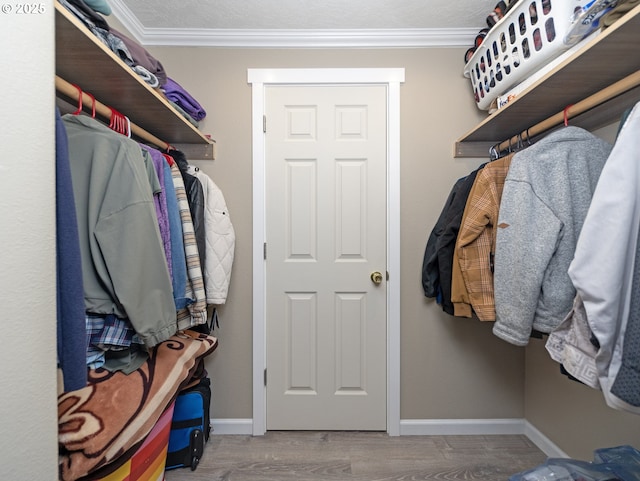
x,y
186,104
145,65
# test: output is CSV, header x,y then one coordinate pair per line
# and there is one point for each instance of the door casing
x,y
392,78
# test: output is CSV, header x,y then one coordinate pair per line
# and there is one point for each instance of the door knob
x,y
376,278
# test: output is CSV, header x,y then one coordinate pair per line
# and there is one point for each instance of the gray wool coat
x,y
546,197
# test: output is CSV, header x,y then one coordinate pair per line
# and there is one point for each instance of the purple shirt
x,y
160,201
180,96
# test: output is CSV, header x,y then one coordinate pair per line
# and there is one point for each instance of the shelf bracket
x,y
197,151
472,149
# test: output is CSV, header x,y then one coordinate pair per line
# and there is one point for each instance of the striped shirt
x,y
196,313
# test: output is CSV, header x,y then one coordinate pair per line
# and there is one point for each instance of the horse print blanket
x,y
102,423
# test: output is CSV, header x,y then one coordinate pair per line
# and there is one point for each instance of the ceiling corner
x,y
127,18
291,38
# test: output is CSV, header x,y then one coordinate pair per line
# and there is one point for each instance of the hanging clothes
x,y
572,345
472,283
195,198
545,199
71,330
626,380
438,257
160,202
220,240
605,269
178,258
430,268
113,344
195,313
124,267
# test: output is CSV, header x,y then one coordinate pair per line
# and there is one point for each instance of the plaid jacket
x,y
472,283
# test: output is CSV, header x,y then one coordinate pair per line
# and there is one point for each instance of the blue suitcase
x,y
190,426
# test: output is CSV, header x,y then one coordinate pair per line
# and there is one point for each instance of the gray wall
x,y
450,368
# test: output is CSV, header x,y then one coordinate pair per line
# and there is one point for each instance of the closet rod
x,y
72,92
598,98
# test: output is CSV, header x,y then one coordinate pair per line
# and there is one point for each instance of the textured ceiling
x,y
307,14
304,22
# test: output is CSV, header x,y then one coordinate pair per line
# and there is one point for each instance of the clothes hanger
x,y
493,152
521,145
112,119
118,122
566,115
169,159
79,109
93,104
80,98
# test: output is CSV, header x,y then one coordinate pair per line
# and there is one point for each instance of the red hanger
x,y
169,159
93,105
118,122
79,110
566,114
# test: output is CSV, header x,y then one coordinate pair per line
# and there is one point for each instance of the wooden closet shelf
x,y
607,58
82,59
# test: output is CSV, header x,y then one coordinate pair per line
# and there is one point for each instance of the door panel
x,y
326,234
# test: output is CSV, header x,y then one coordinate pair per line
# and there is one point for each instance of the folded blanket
x,y
100,423
174,92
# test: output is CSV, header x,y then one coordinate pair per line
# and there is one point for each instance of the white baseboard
x,y
425,427
408,427
441,427
545,445
232,426
432,427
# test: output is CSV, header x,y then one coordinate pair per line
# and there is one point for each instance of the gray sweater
x,y
546,197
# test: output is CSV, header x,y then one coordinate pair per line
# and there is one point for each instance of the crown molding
x,y
300,38
292,38
126,17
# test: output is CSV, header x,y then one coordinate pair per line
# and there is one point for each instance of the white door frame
x,y
259,79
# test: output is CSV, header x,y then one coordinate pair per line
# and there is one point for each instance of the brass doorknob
x,y
376,278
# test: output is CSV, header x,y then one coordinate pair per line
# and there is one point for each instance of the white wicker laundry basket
x,y
529,35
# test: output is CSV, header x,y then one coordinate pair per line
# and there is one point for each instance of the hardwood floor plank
x,y
361,456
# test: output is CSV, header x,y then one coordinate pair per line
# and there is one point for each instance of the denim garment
x,y
178,260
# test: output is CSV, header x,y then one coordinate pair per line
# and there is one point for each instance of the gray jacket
x,y
546,196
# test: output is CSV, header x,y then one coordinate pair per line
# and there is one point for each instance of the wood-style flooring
x,y
361,456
